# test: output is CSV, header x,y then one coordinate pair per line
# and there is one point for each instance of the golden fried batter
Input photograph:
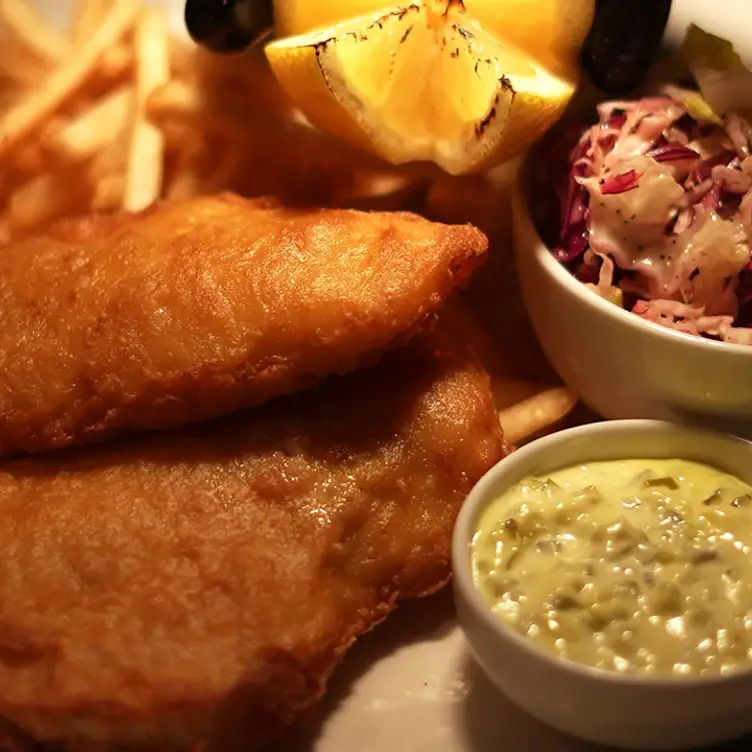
x,y
203,584
194,309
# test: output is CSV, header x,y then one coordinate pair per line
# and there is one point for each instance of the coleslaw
x,y
657,202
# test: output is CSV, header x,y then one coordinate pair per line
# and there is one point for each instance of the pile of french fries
x,y
74,132
116,114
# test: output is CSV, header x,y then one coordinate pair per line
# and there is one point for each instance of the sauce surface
x,y
634,566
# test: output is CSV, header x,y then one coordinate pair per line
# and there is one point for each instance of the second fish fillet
x,y
195,589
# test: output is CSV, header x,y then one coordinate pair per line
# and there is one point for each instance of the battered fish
x,y
194,309
195,589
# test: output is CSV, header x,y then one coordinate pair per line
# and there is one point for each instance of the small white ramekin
x,y
608,708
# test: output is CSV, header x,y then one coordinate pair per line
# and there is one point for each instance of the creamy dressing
x,y
635,566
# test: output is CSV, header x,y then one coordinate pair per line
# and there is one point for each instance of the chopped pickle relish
x,y
634,566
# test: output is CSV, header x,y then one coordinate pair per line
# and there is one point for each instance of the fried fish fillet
x,y
195,589
194,309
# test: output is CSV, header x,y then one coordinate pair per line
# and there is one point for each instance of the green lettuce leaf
x,y
725,83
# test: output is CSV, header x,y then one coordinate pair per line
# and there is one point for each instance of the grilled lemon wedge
x,y
552,31
422,82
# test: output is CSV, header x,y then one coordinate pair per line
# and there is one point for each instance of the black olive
x,y
623,41
228,25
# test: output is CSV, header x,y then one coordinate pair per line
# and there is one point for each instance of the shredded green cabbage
x,y
724,81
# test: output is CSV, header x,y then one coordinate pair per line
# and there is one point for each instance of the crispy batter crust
x,y
202,585
194,309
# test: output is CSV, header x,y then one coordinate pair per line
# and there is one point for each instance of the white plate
x,y
411,685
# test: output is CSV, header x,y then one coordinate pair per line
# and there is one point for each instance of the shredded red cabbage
x,y
627,181
573,238
704,169
713,198
671,153
656,213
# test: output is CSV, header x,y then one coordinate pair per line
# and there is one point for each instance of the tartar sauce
x,y
634,566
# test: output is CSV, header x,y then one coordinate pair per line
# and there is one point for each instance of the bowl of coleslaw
x,y
633,246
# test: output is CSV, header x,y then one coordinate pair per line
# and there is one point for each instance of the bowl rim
x,y
521,203
480,496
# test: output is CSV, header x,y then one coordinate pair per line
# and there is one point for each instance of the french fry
x,y
44,199
176,99
108,194
18,67
109,161
89,15
8,97
116,62
179,100
143,183
198,175
534,414
178,133
183,100
114,69
279,143
21,121
188,177
95,129
184,59
30,159
32,33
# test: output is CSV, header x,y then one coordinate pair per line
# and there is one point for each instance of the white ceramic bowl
x,y
626,711
620,364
